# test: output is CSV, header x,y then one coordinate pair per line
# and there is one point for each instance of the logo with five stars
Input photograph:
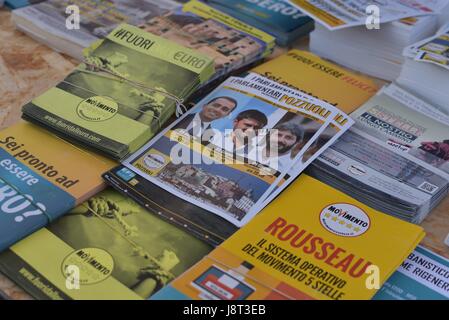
x,y
344,219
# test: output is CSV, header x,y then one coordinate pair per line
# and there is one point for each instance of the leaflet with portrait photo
x,y
327,136
339,125
229,151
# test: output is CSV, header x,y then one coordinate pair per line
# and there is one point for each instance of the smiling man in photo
x,y
217,108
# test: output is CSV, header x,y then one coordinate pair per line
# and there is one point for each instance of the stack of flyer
x,y
339,14
276,17
129,85
344,34
49,23
221,163
395,158
426,70
374,52
232,44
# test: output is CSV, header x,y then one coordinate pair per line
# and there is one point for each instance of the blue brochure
x,y
423,276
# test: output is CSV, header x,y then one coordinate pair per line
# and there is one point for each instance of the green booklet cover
x,y
109,247
128,86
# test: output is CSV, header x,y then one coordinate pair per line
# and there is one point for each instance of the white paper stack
x,y
426,70
375,52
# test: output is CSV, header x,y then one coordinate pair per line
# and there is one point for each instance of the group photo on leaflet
x,y
230,150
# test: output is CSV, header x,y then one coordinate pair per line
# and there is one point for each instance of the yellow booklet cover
x,y
313,242
309,73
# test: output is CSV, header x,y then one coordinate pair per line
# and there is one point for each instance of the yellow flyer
x,y
313,242
326,81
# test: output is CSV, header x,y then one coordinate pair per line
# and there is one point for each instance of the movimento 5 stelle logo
x,y
345,220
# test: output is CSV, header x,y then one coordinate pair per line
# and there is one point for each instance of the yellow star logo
x,y
342,222
356,229
327,215
349,226
334,219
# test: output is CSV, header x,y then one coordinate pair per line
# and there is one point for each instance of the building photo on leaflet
x,y
197,151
